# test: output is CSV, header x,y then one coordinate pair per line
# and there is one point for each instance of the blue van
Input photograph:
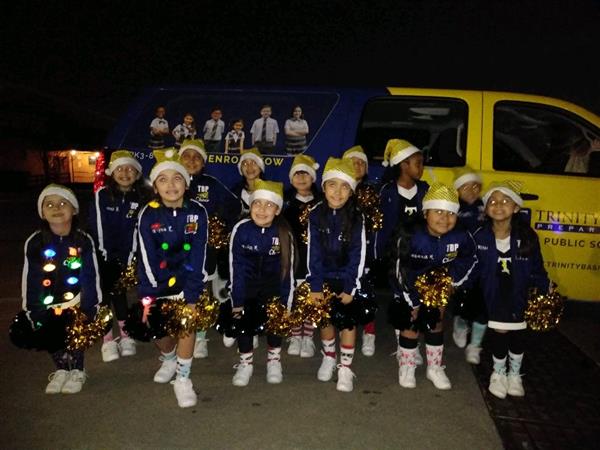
x,y
553,146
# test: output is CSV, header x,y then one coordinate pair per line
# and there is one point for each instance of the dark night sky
x,y
99,59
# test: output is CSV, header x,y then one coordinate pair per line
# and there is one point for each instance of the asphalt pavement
x,y
120,406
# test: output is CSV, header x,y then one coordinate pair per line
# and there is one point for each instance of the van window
x,y
438,126
543,139
235,104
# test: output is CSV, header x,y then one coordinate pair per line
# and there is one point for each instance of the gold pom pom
x,y
82,334
368,201
303,219
434,287
183,319
128,278
306,309
279,320
544,311
217,233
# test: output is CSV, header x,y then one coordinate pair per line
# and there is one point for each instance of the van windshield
x,y
438,126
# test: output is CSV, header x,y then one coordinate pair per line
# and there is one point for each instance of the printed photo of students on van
x,y
264,131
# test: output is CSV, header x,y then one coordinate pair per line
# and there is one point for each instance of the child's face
x,y
216,115
469,192
188,120
265,112
297,113
192,161
250,169
263,212
170,186
160,112
337,192
439,221
238,126
302,181
125,175
57,210
360,168
413,166
500,207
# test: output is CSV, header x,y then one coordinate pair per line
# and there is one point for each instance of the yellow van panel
x,y
566,215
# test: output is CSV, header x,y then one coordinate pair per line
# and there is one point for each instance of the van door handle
x,y
526,196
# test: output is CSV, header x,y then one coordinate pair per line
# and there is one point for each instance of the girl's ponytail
x,y
287,244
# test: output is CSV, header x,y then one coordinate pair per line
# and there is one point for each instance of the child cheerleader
x,y
251,167
471,216
422,248
510,263
302,196
112,221
261,259
360,162
401,198
60,272
336,256
219,202
172,234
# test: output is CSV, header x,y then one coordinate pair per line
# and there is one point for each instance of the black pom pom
x,y
154,328
48,333
360,311
251,323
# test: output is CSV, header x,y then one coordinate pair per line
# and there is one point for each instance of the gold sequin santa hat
x,y
510,188
121,158
304,163
356,152
168,159
440,196
466,175
342,169
253,154
268,190
196,145
62,191
397,150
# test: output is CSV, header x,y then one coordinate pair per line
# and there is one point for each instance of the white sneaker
x,y
515,385
255,342
274,372
57,380
498,385
74,383
295,345
307,350
166,371
127,346
437,376
406,376
472,354
184,391
228,341
242,374
201,348
460,330
326,369
368,344
345,381
110,351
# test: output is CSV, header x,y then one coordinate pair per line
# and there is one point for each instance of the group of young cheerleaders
x,y
492,257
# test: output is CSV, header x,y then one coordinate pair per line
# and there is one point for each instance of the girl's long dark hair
x,y
400,246
521,231
287,245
